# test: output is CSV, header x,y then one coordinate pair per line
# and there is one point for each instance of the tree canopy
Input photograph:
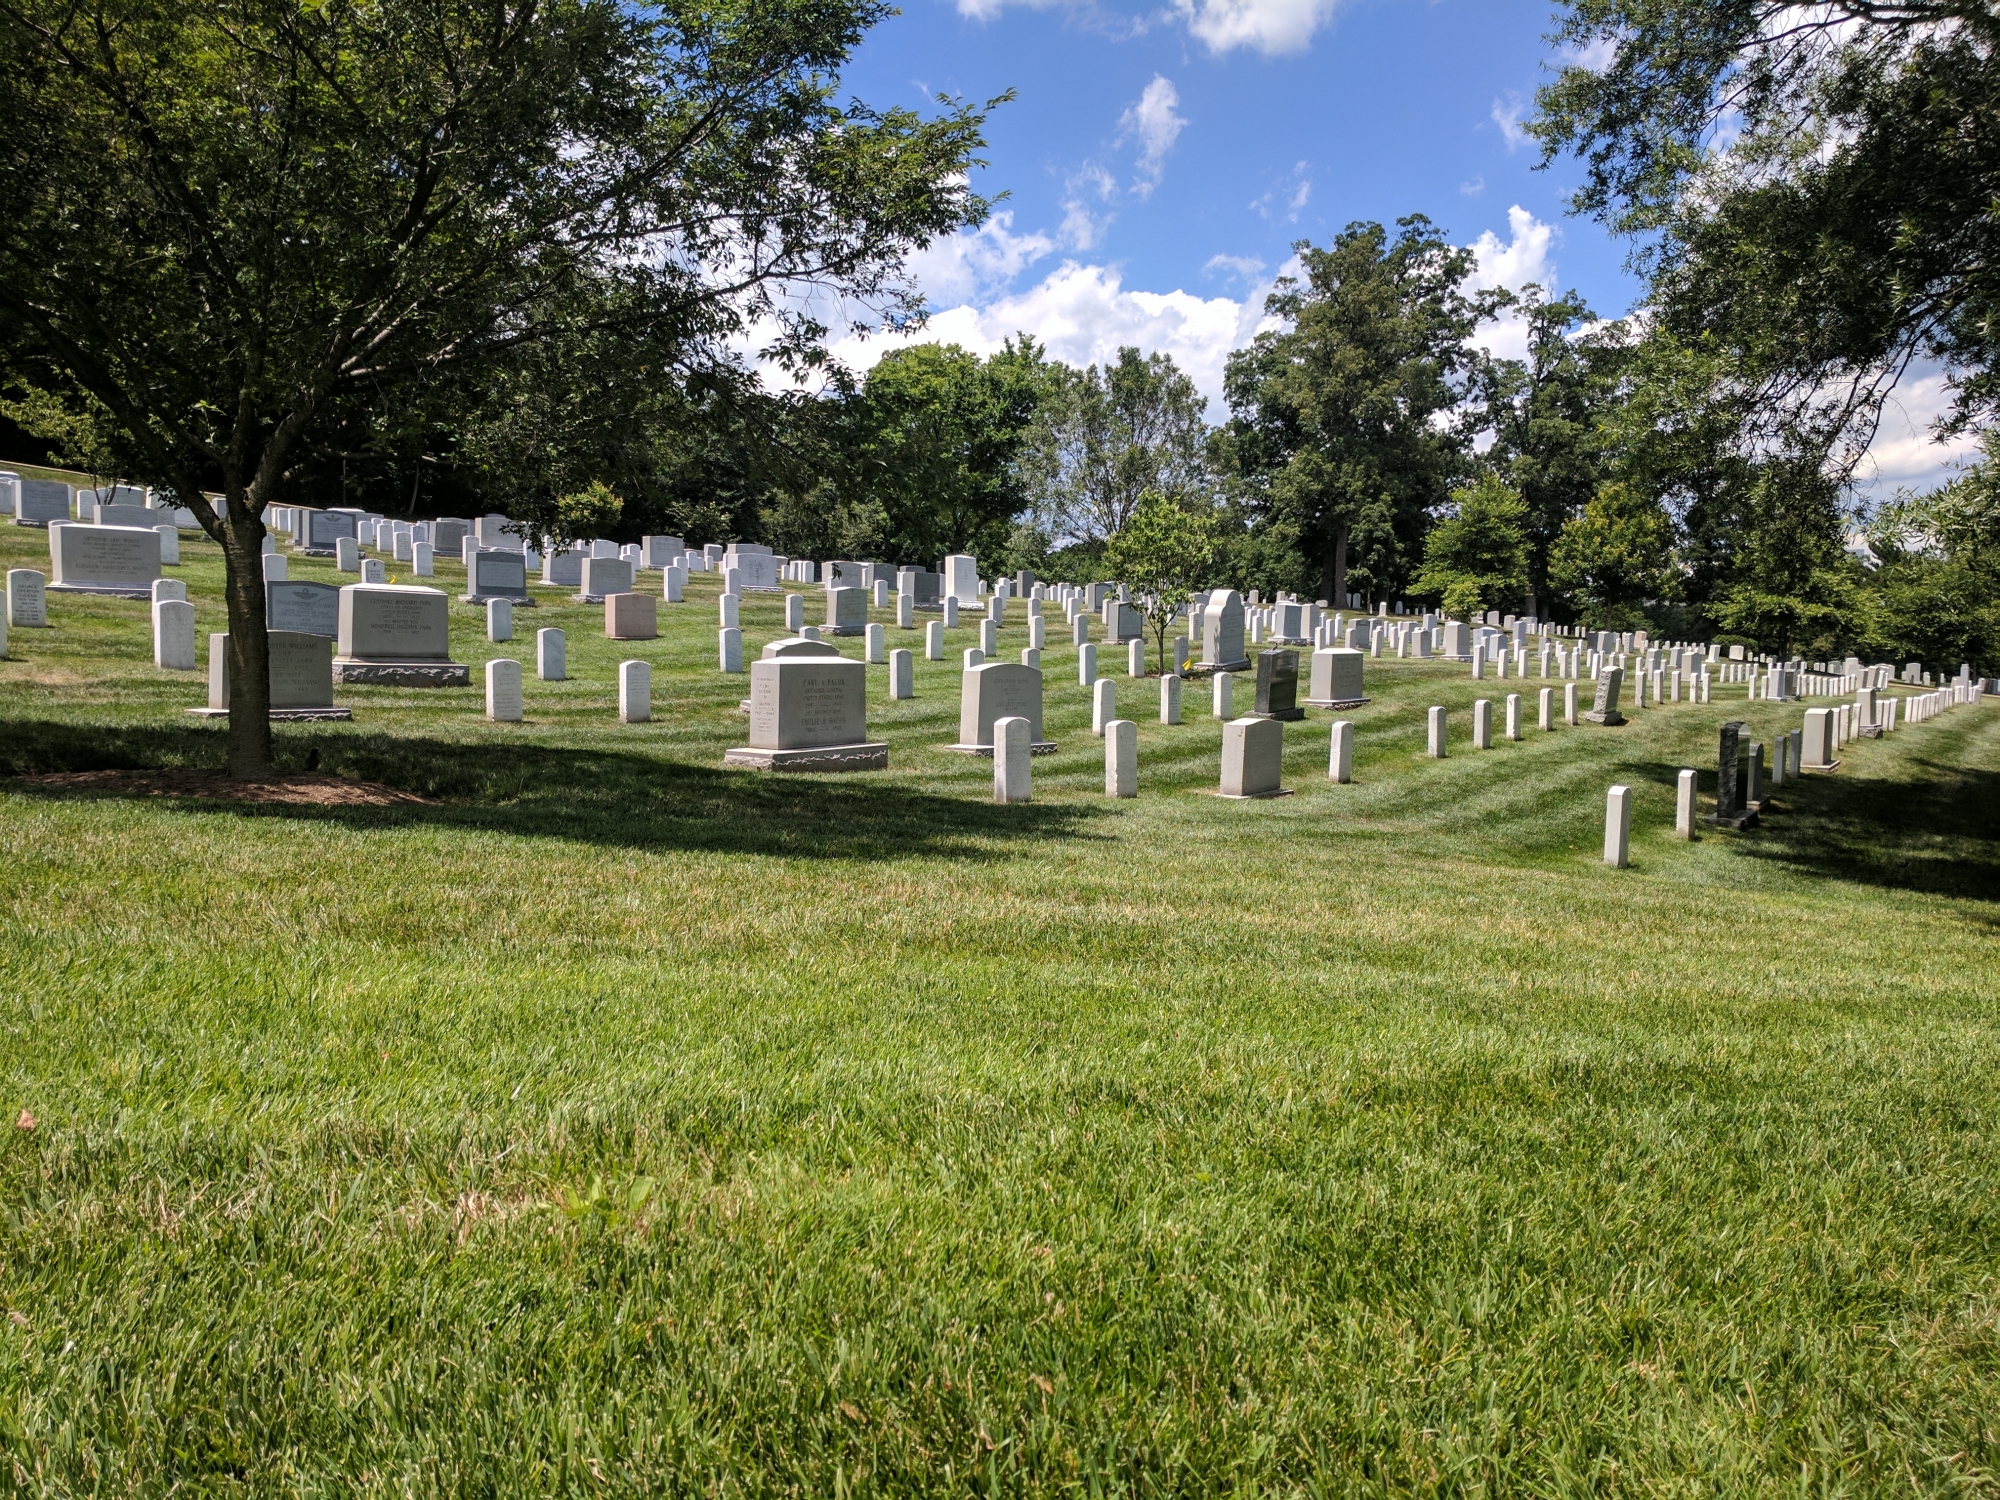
x,y
225,221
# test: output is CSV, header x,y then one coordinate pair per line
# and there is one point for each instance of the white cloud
x,y
1474,189
1153,123
1295,188
1521,261
975,262
1270,26
1247,267
1084,314
1598,54
1904,455
1507,115
1083,226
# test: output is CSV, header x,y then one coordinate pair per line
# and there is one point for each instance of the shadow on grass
x,y
1934,830
613,798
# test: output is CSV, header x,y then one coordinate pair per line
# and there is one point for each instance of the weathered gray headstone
x,y
603,577
998,690
121,561
1604,708
496,575
318,532
925,589
809,714
301,677
396,634
847,611
1336,678
42,501
563,568
301,606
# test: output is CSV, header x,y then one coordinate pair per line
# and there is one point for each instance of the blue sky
x,y
1159,164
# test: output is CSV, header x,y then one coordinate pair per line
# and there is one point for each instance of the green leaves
x,y
1477,558
1339,424
1613,557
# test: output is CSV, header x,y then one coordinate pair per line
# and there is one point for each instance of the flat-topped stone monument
x,y
397,635
563,568
756,567
1253,753
496,575
997,690
302,606
603,577
134,514
847,611
797,645
1604,709
42,501
631,617
301,678
925,589
809,714
121,561
1336,678
317,533
1277,686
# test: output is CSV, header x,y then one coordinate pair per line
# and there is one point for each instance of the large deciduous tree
x,y
1341,420
930,442
1476,558
1545,412
1813,185
1107,436
224,222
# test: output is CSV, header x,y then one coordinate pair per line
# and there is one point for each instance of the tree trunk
x,y
1338,599
249,640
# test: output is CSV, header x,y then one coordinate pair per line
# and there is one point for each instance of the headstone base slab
x,y
1283,791
1744,819
867,757
403,673
1826,770
314,552
985,752
843,630
1335,702
109,590
281,715
1870,732
519,601
1288,715
1209,669
1609,720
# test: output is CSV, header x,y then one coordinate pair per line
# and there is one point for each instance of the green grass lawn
x,y
617,1123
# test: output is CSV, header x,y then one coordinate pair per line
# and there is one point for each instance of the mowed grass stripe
x,y
619,1123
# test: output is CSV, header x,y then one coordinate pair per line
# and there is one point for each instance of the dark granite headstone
x,y
1278,686
1729,809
